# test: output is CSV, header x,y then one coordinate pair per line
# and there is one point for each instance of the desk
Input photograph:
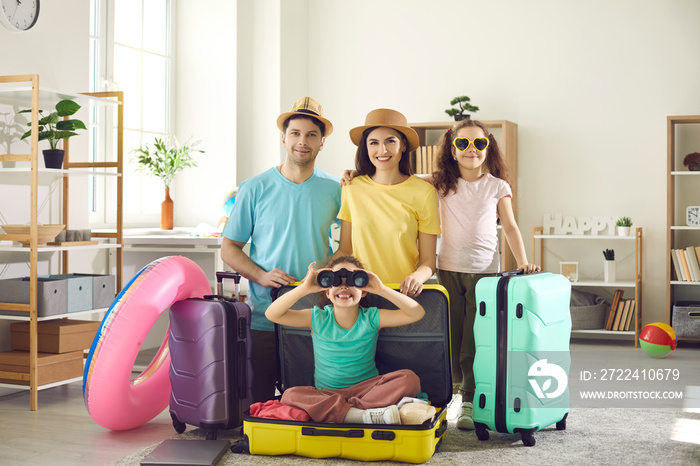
x,y
142,246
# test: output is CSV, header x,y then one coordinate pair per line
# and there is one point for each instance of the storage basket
x,y
588,311
686,319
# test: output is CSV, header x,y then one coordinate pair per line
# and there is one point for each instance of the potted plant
x,y
464,106
623,226
164,161
692,161
54,129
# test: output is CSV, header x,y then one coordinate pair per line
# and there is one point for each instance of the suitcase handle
x,y
220,297
313,432
235,276
508,273
441,430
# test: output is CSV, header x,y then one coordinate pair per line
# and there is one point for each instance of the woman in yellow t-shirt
x,y
390,218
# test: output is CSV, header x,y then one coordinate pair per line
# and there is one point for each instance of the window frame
x,y
102,122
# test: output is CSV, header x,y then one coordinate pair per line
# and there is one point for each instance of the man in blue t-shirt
x,y
286,213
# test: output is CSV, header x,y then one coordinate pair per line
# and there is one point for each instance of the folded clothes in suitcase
x,y
521,366
422,347
210,365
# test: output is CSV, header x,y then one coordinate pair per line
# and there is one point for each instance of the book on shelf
x,y
691,273
693,263
425,159
613,309
631,314
684,265
625,313
618,314
676,265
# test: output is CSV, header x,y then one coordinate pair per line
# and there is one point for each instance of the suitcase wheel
x,y
240,446
177,425
481,432
211,434
528,439
561,425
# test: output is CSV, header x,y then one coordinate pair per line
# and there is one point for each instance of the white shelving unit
x,y
682,191
635,284
23,91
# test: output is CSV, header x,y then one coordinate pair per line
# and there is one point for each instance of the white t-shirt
x,y
469,242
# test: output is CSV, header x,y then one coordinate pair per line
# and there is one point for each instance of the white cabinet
x,y
631,285
23,92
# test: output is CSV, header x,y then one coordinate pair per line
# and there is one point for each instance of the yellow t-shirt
x,y
386,221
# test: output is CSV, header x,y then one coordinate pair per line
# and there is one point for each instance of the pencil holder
x,y
609,269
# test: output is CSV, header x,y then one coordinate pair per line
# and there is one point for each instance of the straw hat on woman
x,y
389,217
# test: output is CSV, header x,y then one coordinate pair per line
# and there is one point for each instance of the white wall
x,y
205,107
589,85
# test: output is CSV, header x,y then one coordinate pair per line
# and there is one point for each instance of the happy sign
x,y
556,224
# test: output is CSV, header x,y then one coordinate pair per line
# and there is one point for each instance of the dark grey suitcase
x,y
210,365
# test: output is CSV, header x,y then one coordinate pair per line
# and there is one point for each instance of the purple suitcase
x,y
210,366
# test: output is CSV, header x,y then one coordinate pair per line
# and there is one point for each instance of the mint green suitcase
x,y
521,365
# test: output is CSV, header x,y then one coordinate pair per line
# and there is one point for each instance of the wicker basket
x,y
588,311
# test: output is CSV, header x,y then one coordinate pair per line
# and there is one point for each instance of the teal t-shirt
x,y
344,357
288,227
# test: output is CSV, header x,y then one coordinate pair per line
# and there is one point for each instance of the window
x,y
131,51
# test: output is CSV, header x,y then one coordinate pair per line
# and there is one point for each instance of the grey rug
x,y
592,436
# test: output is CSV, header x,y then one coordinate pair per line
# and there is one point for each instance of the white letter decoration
x,y
556,224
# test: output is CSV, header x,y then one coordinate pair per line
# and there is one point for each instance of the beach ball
x,y
658,339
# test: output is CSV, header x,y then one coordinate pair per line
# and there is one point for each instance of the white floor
x,y
61,432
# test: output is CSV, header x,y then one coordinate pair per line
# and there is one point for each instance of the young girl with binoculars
x,y
348,387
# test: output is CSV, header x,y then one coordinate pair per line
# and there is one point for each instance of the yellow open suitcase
x,y
423,347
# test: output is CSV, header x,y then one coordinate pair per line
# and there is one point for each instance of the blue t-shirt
x,y
288,227
344,357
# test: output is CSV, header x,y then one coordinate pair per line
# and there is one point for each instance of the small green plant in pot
x,y
464,106
624,224
164,161
54,128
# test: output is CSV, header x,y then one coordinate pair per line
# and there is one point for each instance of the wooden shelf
x,y
72,315
677,235
604,335
586,237
6,247
19,386
23,91
58,173
538,239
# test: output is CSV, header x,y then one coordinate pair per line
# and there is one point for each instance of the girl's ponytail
x,y
495,163
447,171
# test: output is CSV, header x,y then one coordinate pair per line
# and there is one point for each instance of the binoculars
x,y
328,278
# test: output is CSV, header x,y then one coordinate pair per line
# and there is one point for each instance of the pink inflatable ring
x,y
113,400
